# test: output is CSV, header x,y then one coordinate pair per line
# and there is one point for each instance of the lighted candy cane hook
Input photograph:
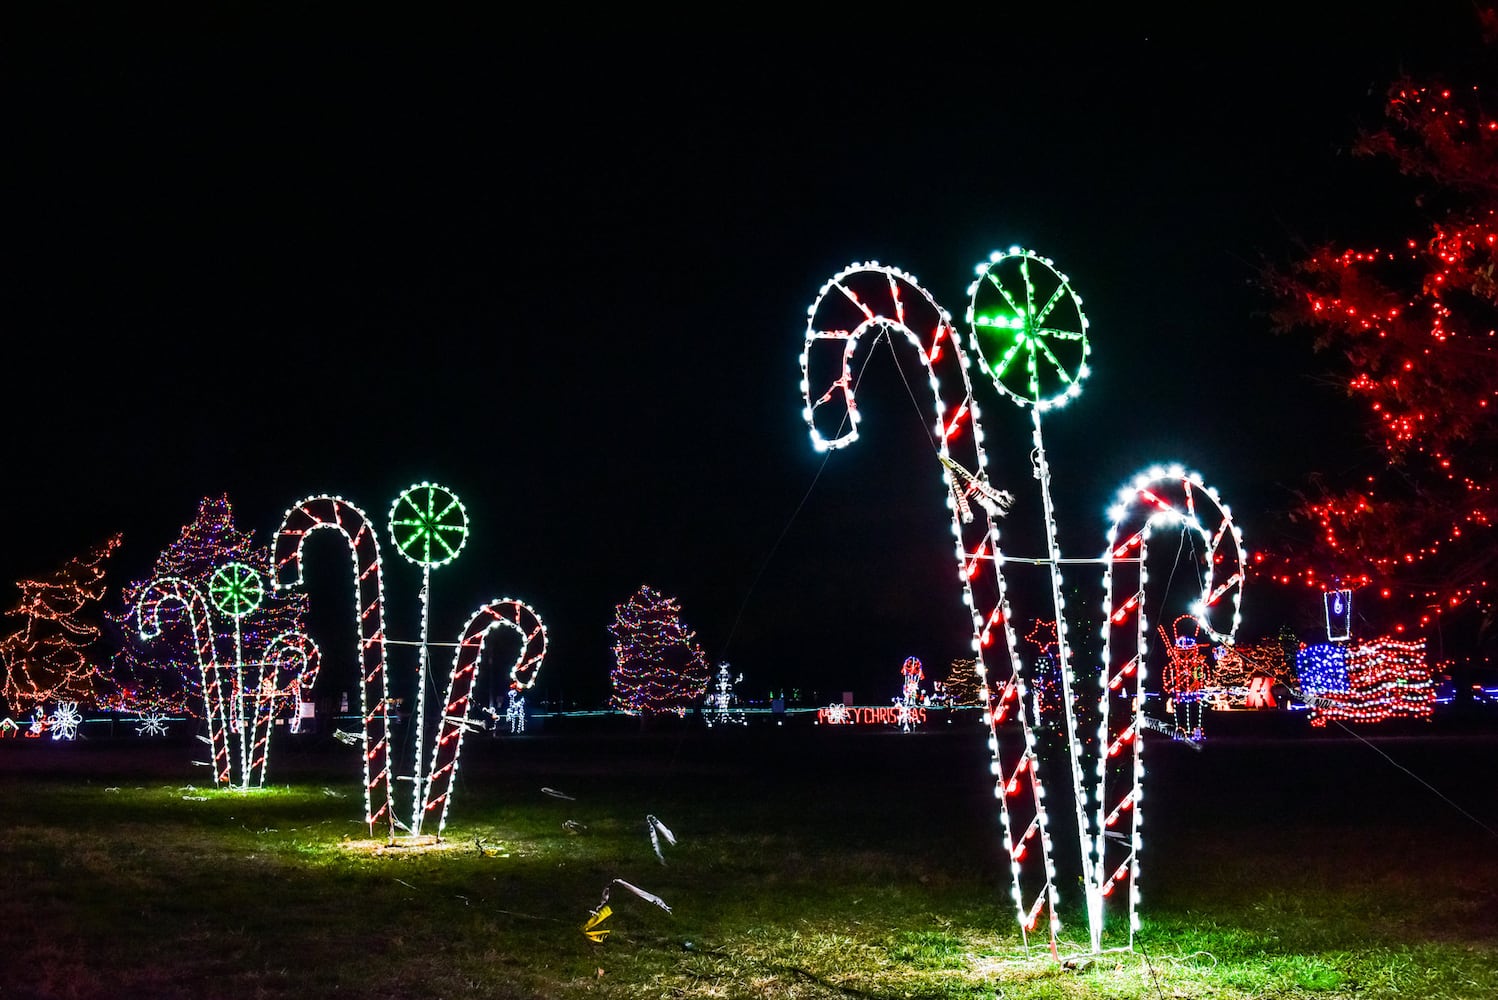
x,y
303,518
174,590
863,304
290,653
455,722
1158,500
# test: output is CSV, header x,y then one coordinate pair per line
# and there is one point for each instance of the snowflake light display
x,y
64,721
1029,334
428,525
152,724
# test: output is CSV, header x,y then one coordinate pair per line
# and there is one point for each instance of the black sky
x,y
568,278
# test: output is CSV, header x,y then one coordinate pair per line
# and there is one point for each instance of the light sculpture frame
x,y
428,525
1029,331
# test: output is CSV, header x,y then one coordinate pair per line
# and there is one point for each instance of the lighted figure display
x,y
1030,336
722,706
1187,675
428,526
515,711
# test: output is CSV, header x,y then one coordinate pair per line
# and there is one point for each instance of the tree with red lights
x,y
50,656
163,674
659,667
1415,319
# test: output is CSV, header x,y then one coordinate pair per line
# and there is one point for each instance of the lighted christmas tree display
x,y
163,674
961,686
1413,316
659,668
50,655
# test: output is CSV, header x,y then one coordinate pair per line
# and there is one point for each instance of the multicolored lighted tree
x,y
1413,316
163,674
50,655
659,667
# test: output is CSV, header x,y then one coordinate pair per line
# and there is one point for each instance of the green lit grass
x,y
866,874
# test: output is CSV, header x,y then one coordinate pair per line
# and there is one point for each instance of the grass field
x,y
809,863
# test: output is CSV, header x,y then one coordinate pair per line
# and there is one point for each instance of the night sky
x,y
568,279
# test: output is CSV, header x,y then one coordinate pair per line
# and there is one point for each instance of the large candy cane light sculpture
x,y
174,590
1160,500
449,739
1029,333
859,307
337,514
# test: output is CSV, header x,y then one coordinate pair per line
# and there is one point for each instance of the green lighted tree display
x,y
1414,318
659,667
50,656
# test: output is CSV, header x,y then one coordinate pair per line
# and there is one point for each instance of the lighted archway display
x,y
1028,329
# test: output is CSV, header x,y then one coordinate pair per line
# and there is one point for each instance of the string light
x,y
658,666
1413,318
49,655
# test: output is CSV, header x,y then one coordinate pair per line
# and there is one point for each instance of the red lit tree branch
x,y
1415,319
50,656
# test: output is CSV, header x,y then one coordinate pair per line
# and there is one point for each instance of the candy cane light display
x,y
337,514
861,306
1170,501
428,525
174,590
1029,332
235,590
505,613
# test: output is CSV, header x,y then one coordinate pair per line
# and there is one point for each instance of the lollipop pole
x,y
418,779
1091,891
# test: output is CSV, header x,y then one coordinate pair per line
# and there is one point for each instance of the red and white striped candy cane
x,y
1160,501
290,653
332,512
859,307
449,738
175,590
